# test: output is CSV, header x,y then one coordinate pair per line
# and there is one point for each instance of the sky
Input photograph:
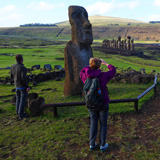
x,y
17,12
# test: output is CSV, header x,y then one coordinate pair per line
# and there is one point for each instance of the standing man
x,y
18,73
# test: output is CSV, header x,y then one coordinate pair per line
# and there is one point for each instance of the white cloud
x,y
154,18
156,3
100,7
16,16
133,4
106,7
7,9
10,15
44,5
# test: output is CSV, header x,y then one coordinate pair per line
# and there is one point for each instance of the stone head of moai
x,y
119,38
128,37
81,27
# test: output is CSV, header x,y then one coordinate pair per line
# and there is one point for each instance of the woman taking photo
x,y
92,71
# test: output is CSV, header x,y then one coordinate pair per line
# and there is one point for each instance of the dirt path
x,y
136,136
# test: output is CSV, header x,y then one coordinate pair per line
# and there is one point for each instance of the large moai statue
x,y
77,51
128,43
119,42
108,43
124,45
115,44
104,43
132,44
112,43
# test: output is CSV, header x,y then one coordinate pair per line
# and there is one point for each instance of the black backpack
x,y
92,94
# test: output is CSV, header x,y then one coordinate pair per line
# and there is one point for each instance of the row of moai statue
x,y
126,44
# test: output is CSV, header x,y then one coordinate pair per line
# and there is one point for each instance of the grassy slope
x,y
49,54
101,30
34,56
98,20
44,137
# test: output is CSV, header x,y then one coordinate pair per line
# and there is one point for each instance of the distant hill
x,y
103,27
98,20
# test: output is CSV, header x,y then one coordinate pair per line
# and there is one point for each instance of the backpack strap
x,y
98,81
99,84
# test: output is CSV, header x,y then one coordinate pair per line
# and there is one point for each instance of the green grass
x,y
67,136
123,62
146,42
116,91
45,137
34,56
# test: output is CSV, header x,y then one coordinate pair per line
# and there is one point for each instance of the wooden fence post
x,y
136,106
55,111
155,89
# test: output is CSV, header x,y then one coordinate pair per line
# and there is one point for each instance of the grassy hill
x,y
104,27
98,20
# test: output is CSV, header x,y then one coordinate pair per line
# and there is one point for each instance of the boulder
x,y
142,70
13,100
47,66
35,67
57,67
13,90
8,67
32,96
34,105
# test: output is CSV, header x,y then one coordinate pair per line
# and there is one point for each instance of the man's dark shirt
x,y
18,73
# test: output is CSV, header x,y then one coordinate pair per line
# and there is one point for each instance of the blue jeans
x,y
103,117
21,95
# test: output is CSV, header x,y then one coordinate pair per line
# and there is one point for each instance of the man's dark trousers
x,y
21,95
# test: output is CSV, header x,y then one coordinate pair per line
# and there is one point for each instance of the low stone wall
x,y
56,75
132,76
125,76
34,79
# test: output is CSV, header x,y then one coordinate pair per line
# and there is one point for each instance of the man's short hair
x,y
95,63
19,58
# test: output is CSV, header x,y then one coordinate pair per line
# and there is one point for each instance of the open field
x,y
67,136
130,135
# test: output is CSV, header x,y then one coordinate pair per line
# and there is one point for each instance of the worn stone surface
x,y
78,50
34,105
47,66
35,67
132,76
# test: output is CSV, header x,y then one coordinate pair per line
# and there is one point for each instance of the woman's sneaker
x,y
104,148
93,147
